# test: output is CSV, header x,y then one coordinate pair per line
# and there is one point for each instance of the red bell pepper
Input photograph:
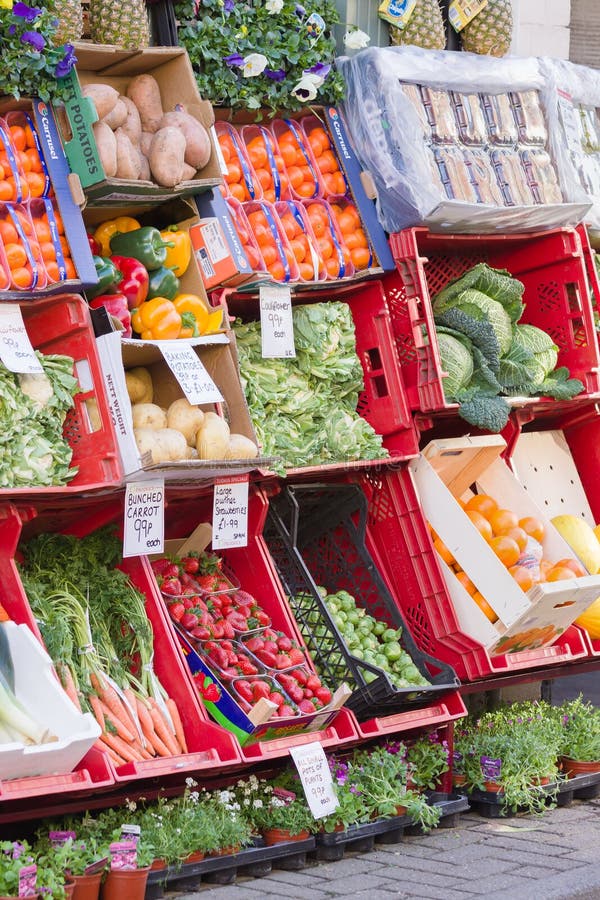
x,y
94,245
135,280
116,306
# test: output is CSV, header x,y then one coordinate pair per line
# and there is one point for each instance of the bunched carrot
x,y
177,724
68,683
131,754
97,710
117,724
144,716
162,730
109,696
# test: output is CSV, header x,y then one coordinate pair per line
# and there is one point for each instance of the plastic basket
x,y
62,325
399,540
555,267
316,535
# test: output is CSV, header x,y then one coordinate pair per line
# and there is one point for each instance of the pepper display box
x,y
172,70
445,472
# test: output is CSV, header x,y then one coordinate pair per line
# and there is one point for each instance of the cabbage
x,y
540,344
495,283
479,306
457,363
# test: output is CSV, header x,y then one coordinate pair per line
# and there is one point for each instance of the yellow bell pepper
x,y
157,320
194,314
179,254
106,230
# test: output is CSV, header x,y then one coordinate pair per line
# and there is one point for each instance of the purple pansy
x,y
234,59
228,6
320,69
35,40
29,13
275,74
66,63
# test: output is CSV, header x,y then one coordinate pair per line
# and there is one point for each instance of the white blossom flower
x,y
356,40
258,804
277,802
131,805
194,796
306,89
191,783
274,6
254,64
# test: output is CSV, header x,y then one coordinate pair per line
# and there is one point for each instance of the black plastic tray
x,y
450,806
316,536
582,787
255,862
360,838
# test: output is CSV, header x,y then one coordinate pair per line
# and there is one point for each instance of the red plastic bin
x,y
447,709
62,325
255,571
556,268
398,539
383,402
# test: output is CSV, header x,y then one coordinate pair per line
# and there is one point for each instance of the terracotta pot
x,y
87,887
196,856
158,865
401,810
459,780
226,851
493,787
545,779
572,767
125,884
279,835
69,890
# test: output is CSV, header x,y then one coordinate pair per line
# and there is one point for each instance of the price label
x,y
144,518
276,323
461,12
188,369
16,351
313,769
230,513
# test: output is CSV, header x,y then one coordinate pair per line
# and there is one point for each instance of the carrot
x,y
177,724
144,716
155,742
97,710
118,760
146,754
131,707
117,724
131,754
68,683
4,616
162,729
109,696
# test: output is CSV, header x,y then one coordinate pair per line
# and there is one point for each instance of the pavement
x,y
553,857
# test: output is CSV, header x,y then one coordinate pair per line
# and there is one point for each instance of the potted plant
x,y
427,760
16,856
69,860
232,829
579,737
285,816
352,809
129,883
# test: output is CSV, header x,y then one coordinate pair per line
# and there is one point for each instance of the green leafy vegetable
x,y
480,307
495,283
539,344
457,363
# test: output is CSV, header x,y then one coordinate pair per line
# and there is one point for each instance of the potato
x,y
197,141
139,385
106,143
184,417
172,446
128,158
145,173
103,96
167,156
133,124
145,93
146,139
117,116
188,173
148,415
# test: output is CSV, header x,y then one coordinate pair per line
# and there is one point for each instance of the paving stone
x,y
352,884
423,877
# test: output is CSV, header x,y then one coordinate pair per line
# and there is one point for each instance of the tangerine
x,y
502,520
360,258
483,504
481,524
506,549
443,551
238,192
518,535
560,573
572,564
522,576
533,527
485,607
466,582
288,154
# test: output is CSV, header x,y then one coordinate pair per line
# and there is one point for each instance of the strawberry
x,y
171,587
201,633
206,583
269,659
283,661
285,711
313,683
295,693
277,698
176,611
190,563
306,706
263,618
296,656
211,693
243,598
324,695
260,689
189,620
160,566
284,643
254,643
244,689
300,676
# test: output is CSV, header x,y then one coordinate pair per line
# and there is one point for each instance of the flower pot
x,y
125,884
572,767
87,887
226,851
69,890
401,810
158,865
196,856
279,835
459,780
536,782
493,787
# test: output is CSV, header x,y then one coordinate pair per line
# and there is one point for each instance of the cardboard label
x,y
186,366
27,881
96,867
397,12
276,323
461,12
16,351
230,513
131,833
57,838
123,855
313,769
144,518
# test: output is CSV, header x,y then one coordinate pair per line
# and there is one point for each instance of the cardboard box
x,y
68,195
445,472
172,69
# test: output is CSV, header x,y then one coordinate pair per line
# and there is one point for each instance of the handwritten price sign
x,y
16,351
230,513
194,380
144,518
313,769
276,323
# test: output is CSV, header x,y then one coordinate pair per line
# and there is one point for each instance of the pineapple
x,y
125,25
425,27
490,32
70,20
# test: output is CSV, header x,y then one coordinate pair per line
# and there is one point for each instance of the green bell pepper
x,y
109,277
163,283
144,244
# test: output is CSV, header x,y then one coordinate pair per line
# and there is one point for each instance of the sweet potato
x,y
103,96
145,93
117,116
133,124
146,142
145,173
197,140
128,157
167,156
106,143
188,173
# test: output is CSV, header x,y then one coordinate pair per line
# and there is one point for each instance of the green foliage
x,y
220,28
579,723
498,284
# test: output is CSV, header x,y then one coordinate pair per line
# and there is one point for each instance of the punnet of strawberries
x,y
274,649
298,692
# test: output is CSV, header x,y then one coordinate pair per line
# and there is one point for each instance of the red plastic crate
x,y
94,773
556,268
383,402
255,571
447,709
399,541
583,439
62,325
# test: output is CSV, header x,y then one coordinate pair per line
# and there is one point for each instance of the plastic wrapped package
x,y
588,164
529,117
440,114
484,177
541,176
590,128
413,93
455,174
500,119
469,113
512,178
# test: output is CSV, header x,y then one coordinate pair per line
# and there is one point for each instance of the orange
x,y
340,183
19,138
7,190
35,163
316,144
560,573
238,192
360,258
306,190
263,235
295,176
466,582
24,161
52,270
258,155
48,251
346,223
234,172
59,222
269,254
545,566
3,279
70,268
290,226
522,576
264,178
485,607
483,504
532,527
502,520
518,535
481,524
42,230
277,270
298,249
328,162
318,224
443,551
22,277
506,550
16,255
353,242
8,232
288,154
333,267
225,151
254,258
307,271
572,564
269,195
325,247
